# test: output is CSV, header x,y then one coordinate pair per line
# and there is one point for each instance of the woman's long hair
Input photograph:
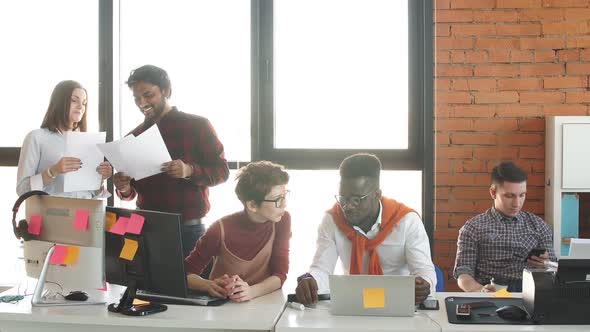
x,y
58,111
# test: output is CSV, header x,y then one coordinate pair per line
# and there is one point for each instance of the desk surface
x,y
257,315
260,314
440,317
320,319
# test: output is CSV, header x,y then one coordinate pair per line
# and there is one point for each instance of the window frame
x,y
418,156
420,152
394,159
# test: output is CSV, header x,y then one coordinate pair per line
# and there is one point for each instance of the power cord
x,y
13,299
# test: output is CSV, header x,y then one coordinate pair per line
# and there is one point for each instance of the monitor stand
x,y
126,306
39,301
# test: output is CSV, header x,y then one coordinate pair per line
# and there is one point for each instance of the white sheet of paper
x,y
112,151
146,154
83,145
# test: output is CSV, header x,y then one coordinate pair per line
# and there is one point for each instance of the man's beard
x,y
150,120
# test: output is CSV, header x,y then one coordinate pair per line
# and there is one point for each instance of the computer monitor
x,y
158,264
86,270
574,272
579,248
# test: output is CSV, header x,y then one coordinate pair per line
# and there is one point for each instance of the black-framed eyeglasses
x,y
279,201
353,199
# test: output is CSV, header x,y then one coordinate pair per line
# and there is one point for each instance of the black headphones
x,y
21,231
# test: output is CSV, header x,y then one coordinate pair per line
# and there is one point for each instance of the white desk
x,y
440,317
260,314
319,319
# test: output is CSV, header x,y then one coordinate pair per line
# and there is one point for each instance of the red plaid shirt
x,y
192,139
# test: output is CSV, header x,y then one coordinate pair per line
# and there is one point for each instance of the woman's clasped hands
x,y
232,287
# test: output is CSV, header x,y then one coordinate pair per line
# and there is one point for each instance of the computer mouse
x,y
77,296
512,312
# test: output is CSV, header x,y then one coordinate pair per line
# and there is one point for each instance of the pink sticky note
x,y
135,224
34,225
59,253
104,289
120,227
81,220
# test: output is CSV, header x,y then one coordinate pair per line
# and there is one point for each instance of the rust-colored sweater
x,y
244,239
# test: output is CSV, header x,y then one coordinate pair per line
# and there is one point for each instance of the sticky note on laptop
x,y
373,297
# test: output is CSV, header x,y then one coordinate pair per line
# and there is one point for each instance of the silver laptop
x,y
370,295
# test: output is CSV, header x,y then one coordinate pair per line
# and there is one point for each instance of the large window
x,y
43,42
343,75
40,50
312,193
300,82
334,79
205,48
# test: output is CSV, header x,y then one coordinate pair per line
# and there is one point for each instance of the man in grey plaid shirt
x,y
495,245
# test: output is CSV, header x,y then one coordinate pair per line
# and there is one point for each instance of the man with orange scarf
x,y
370,233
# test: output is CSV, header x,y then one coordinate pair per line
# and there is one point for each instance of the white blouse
x,y
40,150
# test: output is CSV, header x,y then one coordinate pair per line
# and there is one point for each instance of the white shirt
x,y
41,149
405,251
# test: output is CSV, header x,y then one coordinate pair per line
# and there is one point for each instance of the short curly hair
x,y
256,180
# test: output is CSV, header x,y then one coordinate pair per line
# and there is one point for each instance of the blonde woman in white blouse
x,y
41,160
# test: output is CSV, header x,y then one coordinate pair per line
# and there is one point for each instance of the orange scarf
x,y
391,214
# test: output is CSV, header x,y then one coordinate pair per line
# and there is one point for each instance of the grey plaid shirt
x,y
494,245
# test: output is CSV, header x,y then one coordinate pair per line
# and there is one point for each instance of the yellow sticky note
x,y
139,302
502,293
129,249
373,297
71,255
109,220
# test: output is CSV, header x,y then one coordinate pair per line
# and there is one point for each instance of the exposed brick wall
x,y
501,66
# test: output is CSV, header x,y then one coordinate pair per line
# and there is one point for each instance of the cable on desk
x,y
11,298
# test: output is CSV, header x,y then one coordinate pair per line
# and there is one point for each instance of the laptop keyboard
x,y
193,298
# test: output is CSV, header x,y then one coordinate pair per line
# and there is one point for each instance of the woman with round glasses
x,y
250,248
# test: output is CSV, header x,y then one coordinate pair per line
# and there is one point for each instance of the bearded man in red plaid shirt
x,y
198,160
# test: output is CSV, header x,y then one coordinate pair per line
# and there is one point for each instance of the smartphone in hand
x,y
535,252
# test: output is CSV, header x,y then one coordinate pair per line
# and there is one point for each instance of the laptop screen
x,y
371,295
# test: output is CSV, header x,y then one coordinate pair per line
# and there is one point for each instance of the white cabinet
x,y
576,155
567,173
